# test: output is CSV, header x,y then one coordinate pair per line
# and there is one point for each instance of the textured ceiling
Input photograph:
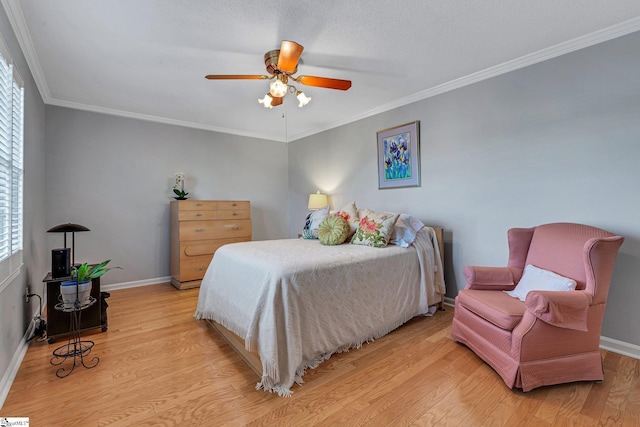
x,y
148,58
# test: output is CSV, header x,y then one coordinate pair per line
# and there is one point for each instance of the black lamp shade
x,y
67,228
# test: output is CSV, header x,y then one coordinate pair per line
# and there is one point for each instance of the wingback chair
x,y
552,337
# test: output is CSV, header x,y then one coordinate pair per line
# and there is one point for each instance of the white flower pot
x,y
68,293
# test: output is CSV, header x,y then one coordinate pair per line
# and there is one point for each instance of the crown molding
x,y
21,30
157,119
18,22
600,36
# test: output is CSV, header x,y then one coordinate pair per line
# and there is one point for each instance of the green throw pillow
x,y
334,230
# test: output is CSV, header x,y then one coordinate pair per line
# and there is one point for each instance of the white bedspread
x,y
296,302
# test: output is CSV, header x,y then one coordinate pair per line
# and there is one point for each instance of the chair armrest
x,y
558,308
519,242
490,278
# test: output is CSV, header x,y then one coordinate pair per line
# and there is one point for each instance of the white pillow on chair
x,y
538,279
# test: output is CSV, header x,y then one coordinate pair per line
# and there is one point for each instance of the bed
x,y
287,305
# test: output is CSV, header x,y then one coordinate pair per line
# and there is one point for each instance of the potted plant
x,y
75,292
178,187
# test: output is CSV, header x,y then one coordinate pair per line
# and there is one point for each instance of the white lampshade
x,y
317,201
304,99
266,101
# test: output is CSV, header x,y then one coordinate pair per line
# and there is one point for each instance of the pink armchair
x,y
552,337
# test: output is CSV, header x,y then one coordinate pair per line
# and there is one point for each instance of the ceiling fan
x,y
281,65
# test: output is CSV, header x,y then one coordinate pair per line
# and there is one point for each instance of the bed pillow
x,y
334,230
538,279
405,230
311,224
374,229
350,213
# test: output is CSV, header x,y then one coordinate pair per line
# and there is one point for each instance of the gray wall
x,y
557,141
15,315
114,175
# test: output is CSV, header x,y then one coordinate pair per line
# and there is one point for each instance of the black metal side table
x,y
76,348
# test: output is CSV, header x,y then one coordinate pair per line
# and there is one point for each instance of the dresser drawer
x,y
219,229
232,204
205,247
195,256
195,215
209,215
234,214
193,268
197,205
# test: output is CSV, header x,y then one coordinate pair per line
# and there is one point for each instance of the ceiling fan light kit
x,y
266,101
282,64
304,99
278,87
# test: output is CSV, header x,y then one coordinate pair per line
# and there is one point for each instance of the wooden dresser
x,y
198,229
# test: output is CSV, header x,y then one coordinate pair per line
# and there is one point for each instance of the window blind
x,y
11,165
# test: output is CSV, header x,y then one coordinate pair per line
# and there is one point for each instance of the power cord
x,y
40,330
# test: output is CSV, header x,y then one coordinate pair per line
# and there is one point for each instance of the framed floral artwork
x,y
399,156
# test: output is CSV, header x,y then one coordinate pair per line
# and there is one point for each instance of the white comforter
x,y
296,302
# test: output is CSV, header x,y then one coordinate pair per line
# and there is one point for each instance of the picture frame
x,y
399,156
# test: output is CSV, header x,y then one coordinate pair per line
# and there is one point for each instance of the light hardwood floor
x,y
159,366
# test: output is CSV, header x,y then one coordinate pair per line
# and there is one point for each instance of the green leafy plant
x,y
87,272
180,193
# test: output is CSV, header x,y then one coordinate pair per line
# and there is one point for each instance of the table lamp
x,y
61,262
317,201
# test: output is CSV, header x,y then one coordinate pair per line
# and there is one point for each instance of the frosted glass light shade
x,y
266,101
278,89
304,99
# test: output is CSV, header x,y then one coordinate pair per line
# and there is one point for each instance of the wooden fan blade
x,y
324,82
236,77
289,55
276,101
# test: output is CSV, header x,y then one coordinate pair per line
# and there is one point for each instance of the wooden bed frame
x,y
252,359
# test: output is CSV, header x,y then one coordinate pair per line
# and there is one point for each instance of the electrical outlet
x,y
27,292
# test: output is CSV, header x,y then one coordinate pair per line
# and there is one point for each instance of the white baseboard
x,y
14,365
609,344
135,284
620,347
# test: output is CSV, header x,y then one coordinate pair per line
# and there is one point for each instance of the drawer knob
x,y
199,230
232,227
234,214
199,214
233,204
